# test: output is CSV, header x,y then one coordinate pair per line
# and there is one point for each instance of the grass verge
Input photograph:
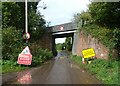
x,y
104,70
10,66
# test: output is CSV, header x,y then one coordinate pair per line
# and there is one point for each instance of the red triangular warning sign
x,y
25,57
26,50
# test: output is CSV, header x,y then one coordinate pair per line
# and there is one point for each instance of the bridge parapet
x,y
64,27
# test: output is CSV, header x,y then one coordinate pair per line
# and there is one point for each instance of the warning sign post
x,y
25,57
88,53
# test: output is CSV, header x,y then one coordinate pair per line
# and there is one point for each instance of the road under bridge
x,y
62,30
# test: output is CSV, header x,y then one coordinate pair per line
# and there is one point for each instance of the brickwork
x,y
46,41
80,41
87,41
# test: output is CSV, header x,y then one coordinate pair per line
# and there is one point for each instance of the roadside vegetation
x,y
101,20
67,45
13,28
108,37
59,47
106,71
11,66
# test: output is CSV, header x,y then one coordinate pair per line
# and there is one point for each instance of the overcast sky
x,y
61,11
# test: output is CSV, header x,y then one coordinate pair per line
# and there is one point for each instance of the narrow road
x,y
61,70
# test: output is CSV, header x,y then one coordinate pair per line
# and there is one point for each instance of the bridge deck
x,y
71,26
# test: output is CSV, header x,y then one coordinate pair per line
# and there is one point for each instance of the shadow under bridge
x,y
60,31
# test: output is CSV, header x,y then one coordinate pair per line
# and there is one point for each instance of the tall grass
x,y
104,70
11,66
40,57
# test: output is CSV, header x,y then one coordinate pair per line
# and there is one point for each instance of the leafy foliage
x,y
12,43
102,23
11,66
13,14
108,37
105,70
105,13
68,44
40,56
36,25
59,46
82,18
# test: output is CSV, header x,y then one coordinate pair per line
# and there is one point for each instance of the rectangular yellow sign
x,y
88,53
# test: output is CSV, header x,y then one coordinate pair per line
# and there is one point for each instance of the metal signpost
x,y
26,19
25,56
87,53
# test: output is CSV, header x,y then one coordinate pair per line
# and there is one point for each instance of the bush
x,y
11,66
40,56
105,70
12,43
59,46
107,36
36,61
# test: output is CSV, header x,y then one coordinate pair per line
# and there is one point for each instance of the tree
x,y
59,46
13,14
68,44
82,18
12,43
105,13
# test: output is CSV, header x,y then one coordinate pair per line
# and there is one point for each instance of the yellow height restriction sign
x,y
88,53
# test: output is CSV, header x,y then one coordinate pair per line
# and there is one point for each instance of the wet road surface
x,y
61,70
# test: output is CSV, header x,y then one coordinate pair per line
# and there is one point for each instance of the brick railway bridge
x,y
80,41
58,31
63,30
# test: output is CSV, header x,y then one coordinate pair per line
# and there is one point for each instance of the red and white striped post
x,y
83,60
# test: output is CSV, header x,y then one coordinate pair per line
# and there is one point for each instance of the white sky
x,y
60,40
61,11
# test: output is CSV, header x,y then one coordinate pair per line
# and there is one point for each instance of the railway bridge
x,y
58,31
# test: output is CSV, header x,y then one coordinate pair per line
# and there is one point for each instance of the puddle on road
x,y
23,78
62,57
62,68
26,79
74,66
